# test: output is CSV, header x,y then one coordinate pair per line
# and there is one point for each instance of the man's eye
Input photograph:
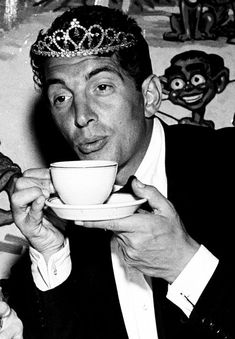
x,y
59,100
198,79
177,84
103,88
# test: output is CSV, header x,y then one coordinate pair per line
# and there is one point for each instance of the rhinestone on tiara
x,y
80,41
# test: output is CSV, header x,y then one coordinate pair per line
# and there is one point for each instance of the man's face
x,y
97,108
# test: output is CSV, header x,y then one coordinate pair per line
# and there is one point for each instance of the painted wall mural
x,y
192,80
10,244
8,171
202,20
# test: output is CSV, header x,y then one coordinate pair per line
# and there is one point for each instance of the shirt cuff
x,y
49,275
189,285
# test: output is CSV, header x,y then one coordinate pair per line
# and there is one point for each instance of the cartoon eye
x,y
197,79
177,83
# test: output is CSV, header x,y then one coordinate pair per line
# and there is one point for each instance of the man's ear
x,y
152,93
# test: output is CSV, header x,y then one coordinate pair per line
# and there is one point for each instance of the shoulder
x,y
200,152
188,133
197,139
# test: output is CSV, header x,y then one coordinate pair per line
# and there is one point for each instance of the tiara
x,y
80,41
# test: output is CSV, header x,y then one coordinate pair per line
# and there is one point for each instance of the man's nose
x,y
84,114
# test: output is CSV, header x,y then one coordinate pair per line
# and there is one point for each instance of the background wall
x,y
27,139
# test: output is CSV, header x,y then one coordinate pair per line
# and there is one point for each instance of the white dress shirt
x,y
134,289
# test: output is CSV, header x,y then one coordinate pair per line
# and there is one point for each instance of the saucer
x,y
119,205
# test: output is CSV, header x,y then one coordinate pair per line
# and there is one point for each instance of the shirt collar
x,y
152,168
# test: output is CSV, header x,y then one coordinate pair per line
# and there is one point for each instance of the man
x,y
164,272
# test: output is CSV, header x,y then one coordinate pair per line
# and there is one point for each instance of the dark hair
x,y
135,60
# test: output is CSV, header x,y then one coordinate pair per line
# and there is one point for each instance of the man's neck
x,y
131,166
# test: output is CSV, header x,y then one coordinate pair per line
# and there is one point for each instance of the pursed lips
x,y
93,144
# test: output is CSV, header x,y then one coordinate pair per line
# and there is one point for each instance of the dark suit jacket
x,y
200,173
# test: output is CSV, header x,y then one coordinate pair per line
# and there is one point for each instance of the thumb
x,y
155,199
27,208
36,210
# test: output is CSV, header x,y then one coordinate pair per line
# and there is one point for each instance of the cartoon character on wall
x,y
12,245
198,20
193,79
8,171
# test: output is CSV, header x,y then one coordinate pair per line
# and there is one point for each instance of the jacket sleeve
x,y
213,314
48,315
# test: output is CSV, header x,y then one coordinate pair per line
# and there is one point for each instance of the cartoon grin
x,y
192,98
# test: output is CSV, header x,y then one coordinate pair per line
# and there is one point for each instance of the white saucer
x,y
119,205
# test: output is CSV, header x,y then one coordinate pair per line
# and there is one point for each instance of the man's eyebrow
x,y
53,81
94,72
104,69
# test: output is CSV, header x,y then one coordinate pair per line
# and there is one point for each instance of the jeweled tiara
x,y
80,41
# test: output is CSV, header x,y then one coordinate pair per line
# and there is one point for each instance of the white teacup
x,y
83,182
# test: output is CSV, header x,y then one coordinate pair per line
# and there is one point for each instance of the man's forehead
x,y
79,63
85,67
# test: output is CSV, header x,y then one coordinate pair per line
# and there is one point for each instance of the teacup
x,y
83,182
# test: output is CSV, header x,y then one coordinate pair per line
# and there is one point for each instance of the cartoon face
x,y
190,83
